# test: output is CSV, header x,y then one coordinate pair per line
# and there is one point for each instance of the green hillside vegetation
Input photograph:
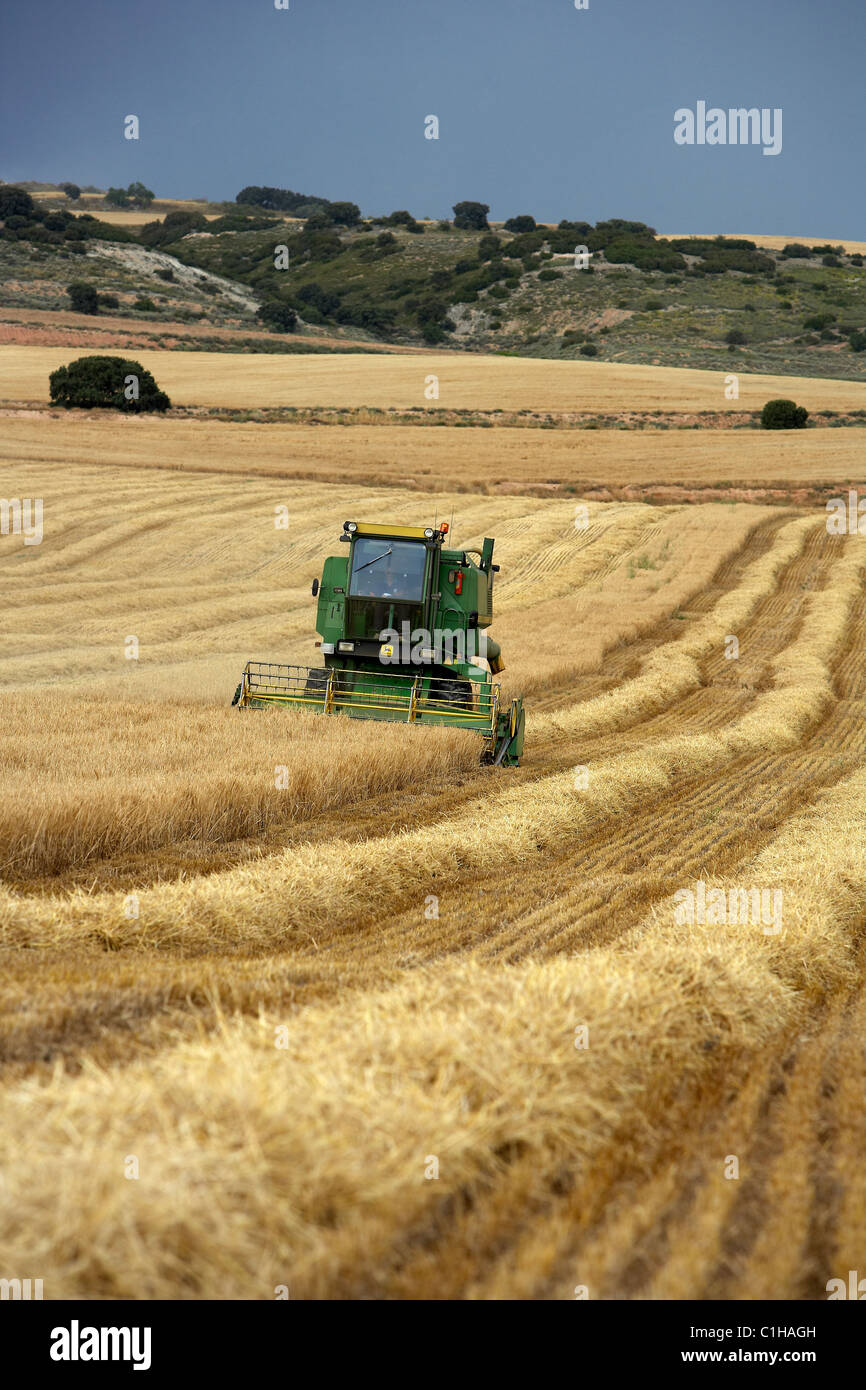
x,y
698,302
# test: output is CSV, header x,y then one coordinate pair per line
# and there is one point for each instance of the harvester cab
x,y
402,624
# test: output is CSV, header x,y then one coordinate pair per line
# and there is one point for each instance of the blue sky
x,y
542,108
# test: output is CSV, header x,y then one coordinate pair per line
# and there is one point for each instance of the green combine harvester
x,y
401,622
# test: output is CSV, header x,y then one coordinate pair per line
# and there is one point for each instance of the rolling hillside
x,y
184,273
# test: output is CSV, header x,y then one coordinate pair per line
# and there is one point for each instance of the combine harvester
x,y
402,626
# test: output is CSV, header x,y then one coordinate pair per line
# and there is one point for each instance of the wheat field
x,y
443,461
465,382
405,1026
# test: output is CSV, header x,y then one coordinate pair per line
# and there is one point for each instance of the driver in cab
x,y
383,578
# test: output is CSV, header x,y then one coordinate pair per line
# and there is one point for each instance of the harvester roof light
x,y
345,646
445,528
428,533
350,525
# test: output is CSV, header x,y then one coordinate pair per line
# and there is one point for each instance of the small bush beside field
x,y
113,383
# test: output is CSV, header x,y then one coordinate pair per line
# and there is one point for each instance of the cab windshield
x,y
382,568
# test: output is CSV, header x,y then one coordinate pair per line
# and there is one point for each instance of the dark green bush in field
x,y
71,190
735,338
547,275
857,342
84,298
108,301
783,415
145,304
114,383
588,350
279,317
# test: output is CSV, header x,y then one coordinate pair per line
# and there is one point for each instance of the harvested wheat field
x,y
442,460
392,1024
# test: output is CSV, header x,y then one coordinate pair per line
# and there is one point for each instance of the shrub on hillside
x,y
643,256
173,226
783,415
524,223
15,202
279,317
857,342
84,298
588,350
114,383
402,218
280,199
819,321
71,190
324,300
138,194
346,214
471,216
735,337
489,248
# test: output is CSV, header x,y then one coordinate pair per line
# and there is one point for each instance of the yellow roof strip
x,y
372,528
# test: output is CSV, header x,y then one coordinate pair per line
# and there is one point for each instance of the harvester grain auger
x,y
401,621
